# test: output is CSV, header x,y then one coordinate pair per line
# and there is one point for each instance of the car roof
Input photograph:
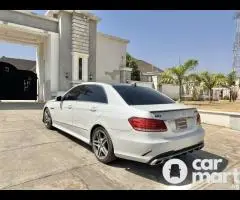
x,y
105,84
121,84
93,83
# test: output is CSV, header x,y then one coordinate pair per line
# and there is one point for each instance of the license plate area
x,y
181,123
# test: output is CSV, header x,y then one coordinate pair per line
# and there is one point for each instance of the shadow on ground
x,y
83,144
21,106
154,173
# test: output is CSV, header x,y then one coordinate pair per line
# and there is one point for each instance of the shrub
x,y
175,99
195,95
187,98
203,97
226,97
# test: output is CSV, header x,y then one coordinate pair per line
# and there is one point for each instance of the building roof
x,y
113,37
21,64
50,13
146,67
33,14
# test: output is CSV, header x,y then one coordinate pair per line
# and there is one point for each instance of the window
x,y
6,69
72,94
137,95
26,84
80,68
93,93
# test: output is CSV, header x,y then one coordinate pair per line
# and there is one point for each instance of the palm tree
x,y
131,62
195,81
177,75
212,80
230,81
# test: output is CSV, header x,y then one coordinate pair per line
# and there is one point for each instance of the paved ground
x,y
32,157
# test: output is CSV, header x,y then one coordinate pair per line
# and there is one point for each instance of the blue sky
x,y
161,37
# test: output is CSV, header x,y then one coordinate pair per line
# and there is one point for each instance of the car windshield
x,y
138,95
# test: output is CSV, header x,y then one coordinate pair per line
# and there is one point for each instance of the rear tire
x,y
47,119
102,145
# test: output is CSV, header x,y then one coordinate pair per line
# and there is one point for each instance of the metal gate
x,y
17,84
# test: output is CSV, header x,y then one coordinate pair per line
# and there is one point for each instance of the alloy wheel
x,y
100,144
47,118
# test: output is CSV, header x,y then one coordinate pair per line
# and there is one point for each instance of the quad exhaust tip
x,y
157,162
162,160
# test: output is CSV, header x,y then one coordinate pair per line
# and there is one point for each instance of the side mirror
x,y
59,98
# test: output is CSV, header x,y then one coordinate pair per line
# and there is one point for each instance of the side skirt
x,y
70,132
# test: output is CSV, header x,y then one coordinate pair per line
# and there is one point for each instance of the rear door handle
x,y
69,107
93,109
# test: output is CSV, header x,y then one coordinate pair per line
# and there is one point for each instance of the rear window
x,y
138,95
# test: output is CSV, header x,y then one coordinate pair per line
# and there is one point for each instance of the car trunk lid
x,y
177,117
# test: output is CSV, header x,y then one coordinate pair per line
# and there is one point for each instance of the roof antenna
x,y
134,84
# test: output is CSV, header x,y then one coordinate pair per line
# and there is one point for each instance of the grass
x,y
223,105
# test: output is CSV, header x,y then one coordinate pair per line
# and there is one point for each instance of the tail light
x,y
198,119
147,125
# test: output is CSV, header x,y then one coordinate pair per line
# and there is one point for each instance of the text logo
x,y
175,171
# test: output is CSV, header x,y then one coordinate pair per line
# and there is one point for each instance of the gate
x,y
17,84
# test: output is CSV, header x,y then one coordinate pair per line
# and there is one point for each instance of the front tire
x,y
102,145
47,119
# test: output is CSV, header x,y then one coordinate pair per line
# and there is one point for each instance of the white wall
x,y
170,90
144,84
225,119
109,58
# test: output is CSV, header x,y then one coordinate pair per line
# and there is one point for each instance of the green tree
x,y
177,75
131,62
211,80
194,78
230,81
194,81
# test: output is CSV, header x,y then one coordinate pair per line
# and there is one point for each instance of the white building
x,y
69,48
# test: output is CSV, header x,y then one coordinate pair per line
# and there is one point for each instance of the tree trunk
x,y
210,95
180,91
211,92
230,95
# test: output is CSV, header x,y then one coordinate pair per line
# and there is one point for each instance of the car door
x,y
64,113
88,109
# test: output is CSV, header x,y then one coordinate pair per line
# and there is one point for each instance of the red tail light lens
x,y
147,125
198,119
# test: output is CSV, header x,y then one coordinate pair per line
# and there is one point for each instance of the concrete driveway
x,y
32,157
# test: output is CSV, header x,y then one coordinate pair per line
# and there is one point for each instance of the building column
x,y
85,68
47,66
125,74
40,69
53,62
75,69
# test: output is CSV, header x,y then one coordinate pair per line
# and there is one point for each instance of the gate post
x,y
54,49
40,69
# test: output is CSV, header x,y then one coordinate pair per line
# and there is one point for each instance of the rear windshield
x,y
138,95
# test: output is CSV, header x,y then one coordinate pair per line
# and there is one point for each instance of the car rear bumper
x,y
153,150
170,154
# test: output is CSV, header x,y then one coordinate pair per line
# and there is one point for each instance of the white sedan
x,y
126,121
